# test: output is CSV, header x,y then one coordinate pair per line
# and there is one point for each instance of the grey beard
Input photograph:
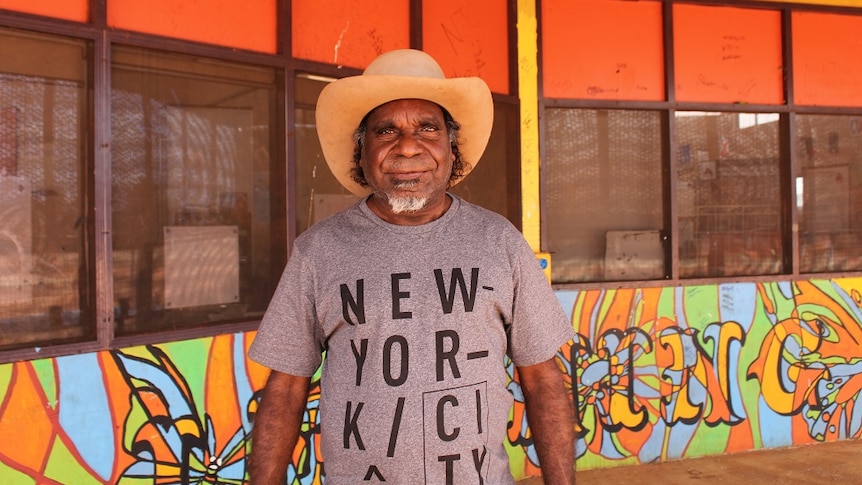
x,y
400,205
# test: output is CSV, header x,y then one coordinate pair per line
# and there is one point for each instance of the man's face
x,y
407,156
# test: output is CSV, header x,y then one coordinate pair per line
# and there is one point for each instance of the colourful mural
x,y
656,374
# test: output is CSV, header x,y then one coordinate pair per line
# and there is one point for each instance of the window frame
x,y
789,167
97,170
98,231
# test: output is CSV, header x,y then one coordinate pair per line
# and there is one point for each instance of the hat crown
x,y
405,62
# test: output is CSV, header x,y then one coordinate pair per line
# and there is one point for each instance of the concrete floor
x,y
838,463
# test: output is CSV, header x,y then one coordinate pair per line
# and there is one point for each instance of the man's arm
x,y
276,427
549,413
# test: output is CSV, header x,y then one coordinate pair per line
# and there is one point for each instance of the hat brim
x,y
342,105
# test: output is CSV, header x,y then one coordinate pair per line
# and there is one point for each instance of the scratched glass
x,y
45,269
829,192
728,194
191,180
603,212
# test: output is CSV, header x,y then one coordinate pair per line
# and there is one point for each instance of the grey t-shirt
x,y
415,322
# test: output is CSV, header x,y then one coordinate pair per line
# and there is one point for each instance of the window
x,y
638,186
495,182
45,266
318,193
191,179
604,202
728,194
829,192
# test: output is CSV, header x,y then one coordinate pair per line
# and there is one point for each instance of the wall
x,y
662,373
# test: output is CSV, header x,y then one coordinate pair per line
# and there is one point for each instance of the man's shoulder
x,y
333,226
473,210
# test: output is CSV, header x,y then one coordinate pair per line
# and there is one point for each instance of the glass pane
x,y
603,193
318,194
191,181
493,184
829,192
44,270
728,194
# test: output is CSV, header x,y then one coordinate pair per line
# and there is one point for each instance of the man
x,y
415,295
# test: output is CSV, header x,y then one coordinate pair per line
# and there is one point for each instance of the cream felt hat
x,y
400,74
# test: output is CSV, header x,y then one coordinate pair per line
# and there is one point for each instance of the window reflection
x,y
728,194
829,192
44,273
191,180
604,196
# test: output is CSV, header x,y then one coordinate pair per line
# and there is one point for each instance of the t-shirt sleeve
x,y
286,339
539,326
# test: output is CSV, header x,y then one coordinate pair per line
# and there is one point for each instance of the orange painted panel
x,y
836,3
469,38
347,33
827,69
29,417
602,49
727,55
244,24
62,9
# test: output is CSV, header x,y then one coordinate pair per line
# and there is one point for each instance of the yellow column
x,y
529,96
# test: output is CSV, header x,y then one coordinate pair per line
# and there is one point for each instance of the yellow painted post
x,y
529,95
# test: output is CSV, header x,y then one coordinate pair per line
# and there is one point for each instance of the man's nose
x,y
409,144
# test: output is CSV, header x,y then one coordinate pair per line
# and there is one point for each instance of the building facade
x,y
667,160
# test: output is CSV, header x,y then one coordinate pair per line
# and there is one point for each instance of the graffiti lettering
x,y
698,382
608,380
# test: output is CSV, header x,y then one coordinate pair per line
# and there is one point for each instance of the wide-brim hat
x,y
400,74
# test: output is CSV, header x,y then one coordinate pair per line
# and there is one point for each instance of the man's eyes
x,y
422,129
